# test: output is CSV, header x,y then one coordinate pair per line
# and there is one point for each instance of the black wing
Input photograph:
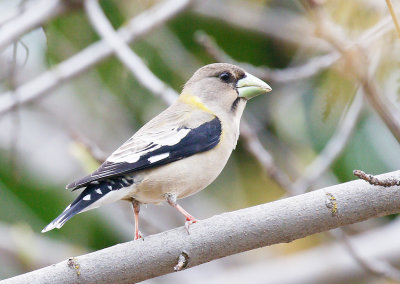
x,y
153,154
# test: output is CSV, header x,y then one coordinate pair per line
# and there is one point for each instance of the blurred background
x,y
334,70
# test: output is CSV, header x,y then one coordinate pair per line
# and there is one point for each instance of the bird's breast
x,y
183,177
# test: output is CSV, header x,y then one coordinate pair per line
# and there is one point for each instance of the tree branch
x,y
31,18
357,63
227,234
327,263
132,61
265,159
333,148
87,58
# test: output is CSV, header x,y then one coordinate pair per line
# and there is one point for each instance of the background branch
x,y
32,17
90,56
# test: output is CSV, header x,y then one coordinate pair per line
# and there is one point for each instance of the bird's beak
x,y
250,86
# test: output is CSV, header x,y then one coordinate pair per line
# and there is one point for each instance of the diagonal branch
x,y
132,61
87,58
393,14
226,234
254,146
333,148
357,62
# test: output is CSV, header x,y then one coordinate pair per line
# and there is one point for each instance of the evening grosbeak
x,y
177,153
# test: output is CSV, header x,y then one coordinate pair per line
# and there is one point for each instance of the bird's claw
x,y
138,235
188,223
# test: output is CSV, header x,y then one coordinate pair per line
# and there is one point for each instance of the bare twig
x,y
92,55
94,151
133,62
393,14
388,182
389,113
333,148
225,234
254,146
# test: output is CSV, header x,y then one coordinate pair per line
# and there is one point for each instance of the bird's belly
x,y
183,178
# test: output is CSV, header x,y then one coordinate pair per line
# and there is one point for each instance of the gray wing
x,y
156,144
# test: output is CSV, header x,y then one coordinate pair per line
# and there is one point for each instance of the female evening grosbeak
x,y
177,153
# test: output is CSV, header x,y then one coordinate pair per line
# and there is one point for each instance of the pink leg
x,y
136,209
171,199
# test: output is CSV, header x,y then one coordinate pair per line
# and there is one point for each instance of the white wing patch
x,y
158,157
131,152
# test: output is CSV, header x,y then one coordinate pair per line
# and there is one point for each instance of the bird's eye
x,y
225,76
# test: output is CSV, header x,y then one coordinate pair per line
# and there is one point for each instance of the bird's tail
x,y
83,201
92,197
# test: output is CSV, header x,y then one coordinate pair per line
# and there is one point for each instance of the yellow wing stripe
x,y
194,102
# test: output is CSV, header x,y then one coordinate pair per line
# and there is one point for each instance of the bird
x,y
177,153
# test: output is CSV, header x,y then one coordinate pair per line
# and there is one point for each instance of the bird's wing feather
x,y
156,144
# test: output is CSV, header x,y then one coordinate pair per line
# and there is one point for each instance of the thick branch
x,y
328,263
276,222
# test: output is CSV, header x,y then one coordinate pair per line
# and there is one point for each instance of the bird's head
x,y
224,87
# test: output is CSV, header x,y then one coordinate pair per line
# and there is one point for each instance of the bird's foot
x,y
189,221
138,235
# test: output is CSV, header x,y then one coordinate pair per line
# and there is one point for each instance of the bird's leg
x,y
171,199
136,210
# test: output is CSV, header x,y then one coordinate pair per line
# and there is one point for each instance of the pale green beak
x,y
250,86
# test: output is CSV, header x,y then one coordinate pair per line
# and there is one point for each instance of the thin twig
x,y
333,148
254,146
357,63
95,152
389,113
388,182
95,53
393,14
